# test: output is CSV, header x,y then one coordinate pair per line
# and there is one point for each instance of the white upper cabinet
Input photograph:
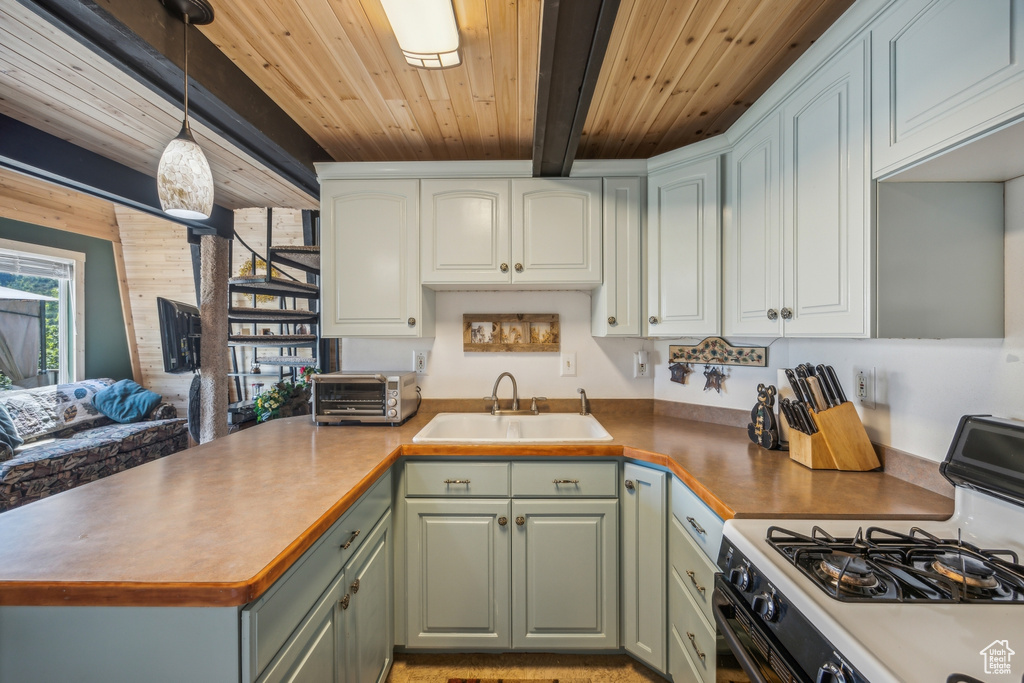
x,y
616,305
826,217
752,237
943,71
370,250
465,231
531,231
556,231
683,250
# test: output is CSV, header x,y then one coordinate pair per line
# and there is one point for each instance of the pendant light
x,y
183,179
426,31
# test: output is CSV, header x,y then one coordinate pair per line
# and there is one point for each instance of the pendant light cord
x,y
185,21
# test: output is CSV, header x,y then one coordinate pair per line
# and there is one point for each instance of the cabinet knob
x,y
611,320
773,314
504,267
502,521
345,601
630,486
412,322
520,521
787,313
519,267
653,320
355,586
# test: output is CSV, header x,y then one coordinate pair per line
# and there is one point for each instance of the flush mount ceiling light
x,y
426,31
183,179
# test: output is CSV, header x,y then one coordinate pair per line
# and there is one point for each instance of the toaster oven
x,y
364,397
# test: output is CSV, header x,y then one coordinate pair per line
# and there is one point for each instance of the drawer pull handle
x,y
566,481
502,521
630,486
696,527
344,601
693,642
355,587
456,481
693,580
520,521
346,544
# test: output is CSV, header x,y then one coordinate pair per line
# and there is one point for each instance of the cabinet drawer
x,y
268,622
565,479
703,525
690,632
458,479
690,568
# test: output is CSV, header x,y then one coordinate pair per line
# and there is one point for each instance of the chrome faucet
x,y
584,403
495,409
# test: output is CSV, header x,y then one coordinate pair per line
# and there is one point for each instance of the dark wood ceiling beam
x,y
32,152
146,40
573,40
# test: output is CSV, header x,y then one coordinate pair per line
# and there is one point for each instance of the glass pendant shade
x,y
183,179
426,31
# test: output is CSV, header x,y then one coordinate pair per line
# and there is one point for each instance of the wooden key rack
x,y
839,444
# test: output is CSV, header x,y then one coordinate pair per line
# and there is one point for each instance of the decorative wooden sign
x,y
510,332
719,352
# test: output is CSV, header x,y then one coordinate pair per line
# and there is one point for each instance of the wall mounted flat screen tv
x,y
179,335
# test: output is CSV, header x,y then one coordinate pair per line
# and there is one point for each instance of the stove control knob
x,y
833,673
766,605
740,577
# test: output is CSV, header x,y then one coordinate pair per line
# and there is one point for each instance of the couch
x,y
69,442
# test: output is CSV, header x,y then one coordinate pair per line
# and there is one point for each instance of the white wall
x,y
604,366
923,385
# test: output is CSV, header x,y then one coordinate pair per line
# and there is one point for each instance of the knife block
x,y
840,443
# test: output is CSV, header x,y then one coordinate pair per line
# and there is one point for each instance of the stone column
x,y
214,271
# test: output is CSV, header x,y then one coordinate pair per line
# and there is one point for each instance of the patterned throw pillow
x,y
74,401
33,411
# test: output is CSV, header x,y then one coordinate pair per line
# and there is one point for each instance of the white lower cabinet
x,y
517,571
643,606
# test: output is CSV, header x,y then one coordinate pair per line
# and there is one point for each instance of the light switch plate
x,y
568,364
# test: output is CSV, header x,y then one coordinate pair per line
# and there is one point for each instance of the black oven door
x,y
759,654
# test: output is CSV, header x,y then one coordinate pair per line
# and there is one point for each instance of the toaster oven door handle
x,y
369,377
720,604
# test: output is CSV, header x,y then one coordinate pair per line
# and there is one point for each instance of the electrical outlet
x,y
419,362
864,386
568,364
640,365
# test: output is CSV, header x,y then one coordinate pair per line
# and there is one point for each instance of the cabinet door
x,y
752,237
826,218
683,251
465,231
369,637
457,573
616,304
315,652
644,510
943,71
564,574
556,231
370,274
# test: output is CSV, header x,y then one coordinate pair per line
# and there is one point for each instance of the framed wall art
x,y
510,332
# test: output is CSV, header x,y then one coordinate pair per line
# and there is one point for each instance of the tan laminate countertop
x,y
219,523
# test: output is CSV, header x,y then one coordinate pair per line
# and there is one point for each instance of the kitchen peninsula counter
x,y
217,524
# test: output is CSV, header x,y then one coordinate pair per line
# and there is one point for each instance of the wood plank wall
x,y
34,201
158,262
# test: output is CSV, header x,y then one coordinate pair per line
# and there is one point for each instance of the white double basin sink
x,y
486,428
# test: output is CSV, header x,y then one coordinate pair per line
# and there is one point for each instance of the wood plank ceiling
x,y
676,71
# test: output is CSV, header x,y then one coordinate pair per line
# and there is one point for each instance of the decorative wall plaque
x,y
515,332
719,352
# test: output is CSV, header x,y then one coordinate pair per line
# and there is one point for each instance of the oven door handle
x,y
732,640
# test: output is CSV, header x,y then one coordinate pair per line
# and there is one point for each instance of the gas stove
x,y
878,600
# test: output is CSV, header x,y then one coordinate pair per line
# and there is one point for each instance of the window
x,y
42,335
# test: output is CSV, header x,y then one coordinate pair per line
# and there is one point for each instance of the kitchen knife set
x,y
817,389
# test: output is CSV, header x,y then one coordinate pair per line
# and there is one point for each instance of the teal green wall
x,y
106,344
